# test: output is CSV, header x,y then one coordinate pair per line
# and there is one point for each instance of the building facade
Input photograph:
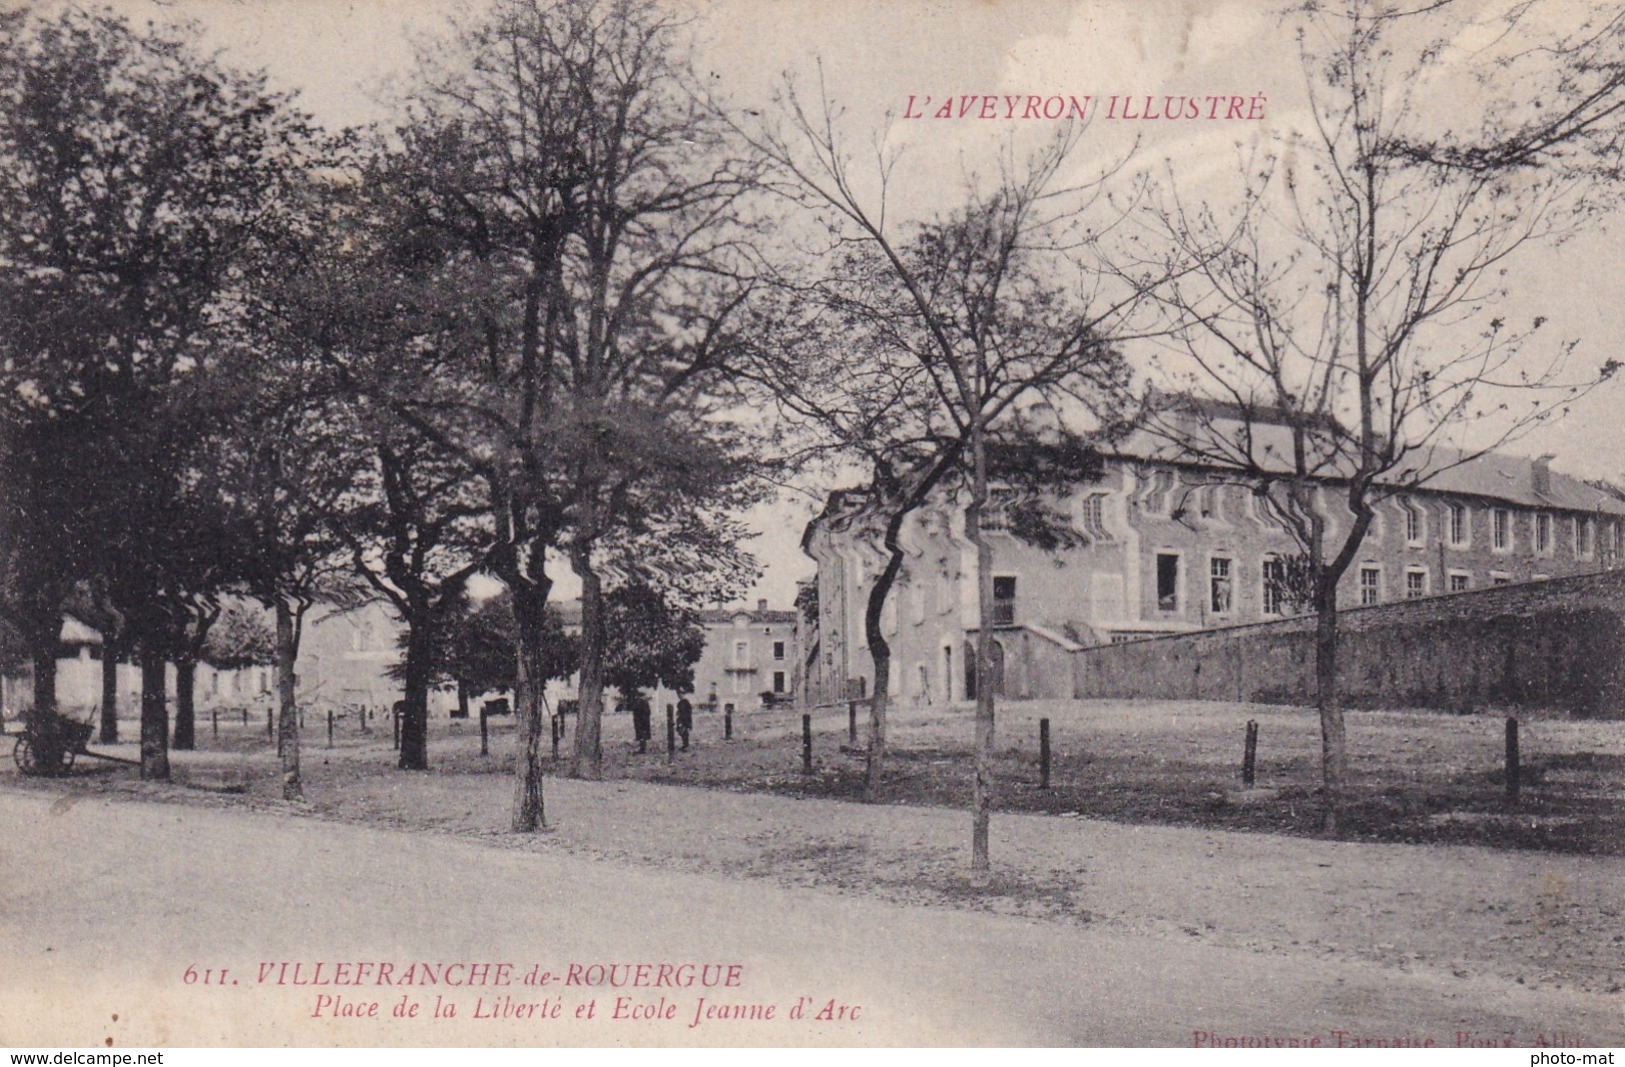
x,y
750,658
1168,548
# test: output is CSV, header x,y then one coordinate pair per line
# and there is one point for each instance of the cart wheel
x,y
24,756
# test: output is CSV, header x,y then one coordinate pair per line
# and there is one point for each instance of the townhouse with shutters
x,y
1171,547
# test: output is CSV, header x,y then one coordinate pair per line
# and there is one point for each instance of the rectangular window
x,y
1416,583
1543,534
1370,586
1500,578
1415,528
1219,580
1458,524
1162,489
778,681
996,515
1460,582
1501,529
778,650
1004,601
741,653
1275,589
1583,530
1093,517
1167,582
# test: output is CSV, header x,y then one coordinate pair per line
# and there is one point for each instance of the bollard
x,y
851,722
485,739
558,731
728,725
806,744
214,721
270,731
671,734
1043,753
1512,759
1249,755
330,728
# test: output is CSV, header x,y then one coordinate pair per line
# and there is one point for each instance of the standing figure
x,y
641,726
685,719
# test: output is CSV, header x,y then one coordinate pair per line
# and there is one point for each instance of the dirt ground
x,y
1141,837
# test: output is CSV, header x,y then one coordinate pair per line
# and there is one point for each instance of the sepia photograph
x,y
786,523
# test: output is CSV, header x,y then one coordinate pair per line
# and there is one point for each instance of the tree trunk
x,y
1333,746
415,715
880,655
154,714
109,724
287,652
185,692
529,602
589,750
982,786
45,678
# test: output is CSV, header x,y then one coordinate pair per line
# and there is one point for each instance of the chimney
x,y
761,606
1540,474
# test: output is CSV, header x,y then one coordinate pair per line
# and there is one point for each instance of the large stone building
x,y
1170,547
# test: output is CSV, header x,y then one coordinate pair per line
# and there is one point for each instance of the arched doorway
x,y
995,670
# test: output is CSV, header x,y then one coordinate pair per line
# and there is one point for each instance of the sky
x,y
881,61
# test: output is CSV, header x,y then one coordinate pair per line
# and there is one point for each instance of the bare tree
x,y
929,342
1342,316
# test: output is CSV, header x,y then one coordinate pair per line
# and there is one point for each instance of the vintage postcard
x,y
811,523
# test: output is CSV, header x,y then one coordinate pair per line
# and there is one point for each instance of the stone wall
x,y
1556,644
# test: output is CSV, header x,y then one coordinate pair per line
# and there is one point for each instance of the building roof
x,y
761,614
1498,476
75,632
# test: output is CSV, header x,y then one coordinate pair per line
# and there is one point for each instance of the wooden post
x,y
671,734
1043,753
395,732
558,732
329,727
485,737
1512,759
728,725
851,722
1249,755
270,730
806,744
214,721
245,718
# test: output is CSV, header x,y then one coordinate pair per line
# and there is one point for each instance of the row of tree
x,y
247,356
549,317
